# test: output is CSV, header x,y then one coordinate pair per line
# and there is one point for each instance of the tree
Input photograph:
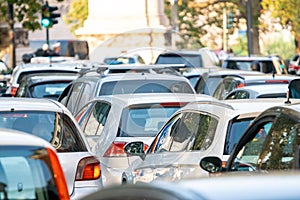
x,y
288,13
77,14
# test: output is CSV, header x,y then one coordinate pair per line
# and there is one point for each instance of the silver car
x,y
51,121
198,129
110,122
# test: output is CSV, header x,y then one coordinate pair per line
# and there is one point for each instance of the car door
x,y
144,171
272,144
92,119
193,134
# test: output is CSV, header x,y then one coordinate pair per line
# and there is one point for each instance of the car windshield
x,y
266,66
25,173
145,86
144,121
235,130
48,90
50,126
189,60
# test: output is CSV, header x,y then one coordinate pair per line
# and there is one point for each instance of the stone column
x,y
117,27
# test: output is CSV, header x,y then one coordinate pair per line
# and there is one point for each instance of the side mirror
x,y
135,149
293,90
211,164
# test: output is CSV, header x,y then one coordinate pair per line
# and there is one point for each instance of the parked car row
x,y
133,124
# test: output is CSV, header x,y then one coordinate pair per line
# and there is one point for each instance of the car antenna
x,y
288,97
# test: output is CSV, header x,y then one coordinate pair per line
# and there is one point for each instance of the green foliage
x,y
286,49
241,47
77,14
288,12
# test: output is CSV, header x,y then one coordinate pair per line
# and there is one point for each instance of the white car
x,y
198,129
259,91
52,121
110,122
29,168
37,68
93,83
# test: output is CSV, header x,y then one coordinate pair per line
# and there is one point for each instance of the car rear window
x,y
145,86
235,130
25,173
188,60
56,128
43,72
146,120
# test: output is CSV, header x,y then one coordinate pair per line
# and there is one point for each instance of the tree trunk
x,y
255,7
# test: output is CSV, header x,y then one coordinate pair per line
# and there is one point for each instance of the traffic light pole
x,y
47,37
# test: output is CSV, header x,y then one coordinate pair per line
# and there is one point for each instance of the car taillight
x,y
116,149
59,176
13,91
88,169
224,164
173,104
240,85
277,81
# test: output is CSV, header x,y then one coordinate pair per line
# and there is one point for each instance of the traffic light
x,y
230,20
48,17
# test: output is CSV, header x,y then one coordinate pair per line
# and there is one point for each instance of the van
x,y
68,48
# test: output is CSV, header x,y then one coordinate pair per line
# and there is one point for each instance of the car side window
x,y
71,104
249,154
163,140
194,132
84,97
242,95
278,151
97,119
231,96
70,140
205,132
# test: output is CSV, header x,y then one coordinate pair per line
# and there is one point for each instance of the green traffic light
x,y
45,22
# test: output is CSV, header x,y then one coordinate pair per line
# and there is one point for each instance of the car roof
x,y
251,58
38,104
50,77
225,71
265,89
13,137
142,98
234,107
181,52
63,65
251,77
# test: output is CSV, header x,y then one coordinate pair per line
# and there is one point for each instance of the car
x,y
40,66
230,83
265,64
51,121
294,89
199,129
270,143
229,187
259,91
5,76
68,48
294,65
110,122
209,80
134,59
94,82
44,85
192,59
29,168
